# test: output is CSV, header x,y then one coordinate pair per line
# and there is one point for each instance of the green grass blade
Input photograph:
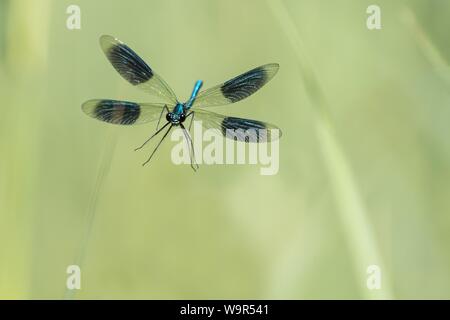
x,y
353,214
105,165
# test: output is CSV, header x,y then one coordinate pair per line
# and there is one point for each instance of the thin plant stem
x,y
353,214
427,47
105,165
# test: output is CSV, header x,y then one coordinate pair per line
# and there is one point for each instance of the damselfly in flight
x,y
133,69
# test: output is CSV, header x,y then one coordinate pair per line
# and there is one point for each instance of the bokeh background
x,y
364,159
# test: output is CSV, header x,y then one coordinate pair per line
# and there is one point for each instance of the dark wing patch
x,y
244,85
239,129
237,88
117,112
247,130
133,69
130,66
122,112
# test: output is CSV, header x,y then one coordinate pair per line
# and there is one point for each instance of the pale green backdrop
x,y
364,159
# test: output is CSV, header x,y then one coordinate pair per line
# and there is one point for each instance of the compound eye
x,y
182,117
168,117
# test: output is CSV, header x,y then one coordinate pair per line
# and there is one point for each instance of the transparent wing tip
x,y
271,69
106,40
87,106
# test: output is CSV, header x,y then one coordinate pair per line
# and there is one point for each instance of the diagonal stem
x,y
105,165
353,214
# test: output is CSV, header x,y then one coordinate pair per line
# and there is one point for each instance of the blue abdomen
x,y
197,87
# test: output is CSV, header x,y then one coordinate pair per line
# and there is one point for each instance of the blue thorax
x,y
179,109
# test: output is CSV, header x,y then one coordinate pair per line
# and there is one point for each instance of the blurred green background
x,y
364,159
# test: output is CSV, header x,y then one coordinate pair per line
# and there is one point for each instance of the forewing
x,y
238,129
122,112
133,69
237,88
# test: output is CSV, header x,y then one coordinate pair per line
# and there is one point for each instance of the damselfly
x,y
133,69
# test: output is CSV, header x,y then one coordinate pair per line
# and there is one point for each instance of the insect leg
x,y
165,135
194,164
192,118
165,108
151,137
